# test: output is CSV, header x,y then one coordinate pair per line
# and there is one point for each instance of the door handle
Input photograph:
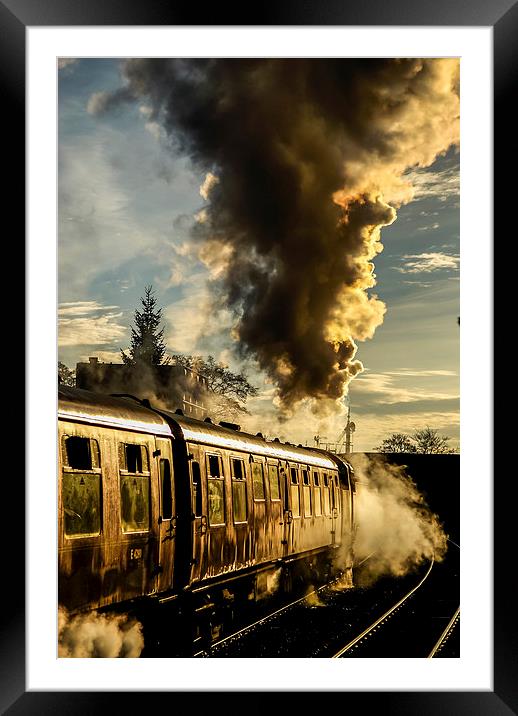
x,y
203,524
172,527
335,512
289,517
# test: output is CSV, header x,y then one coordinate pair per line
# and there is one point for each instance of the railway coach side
x,y
116,502
159,509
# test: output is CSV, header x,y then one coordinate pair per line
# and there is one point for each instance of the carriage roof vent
x,y
143,401
276,440
178,411
259,435
207,420
230,426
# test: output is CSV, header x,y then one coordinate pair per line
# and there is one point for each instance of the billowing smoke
x,y
98,635
397,531
165,386
305,161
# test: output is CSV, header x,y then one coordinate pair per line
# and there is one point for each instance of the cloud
x,y
428,262
421,373
81,308
155,130
443,184
109,206
145,110
101,102
209,183
304,195
78,326
421,284
191,319
384,390
66,62
432,227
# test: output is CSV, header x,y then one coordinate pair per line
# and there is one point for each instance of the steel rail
x,y
284,608
267,618
364,633
445,634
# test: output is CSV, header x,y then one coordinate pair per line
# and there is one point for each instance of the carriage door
x,y
286,511
335,505
166,515
198,512
276,511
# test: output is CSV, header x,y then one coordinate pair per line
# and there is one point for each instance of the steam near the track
x,y
395,525
98,635
305,161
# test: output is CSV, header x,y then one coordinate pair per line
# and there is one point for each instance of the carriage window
x,y
216,496
167,495
258,480
285,491
135,503
335,493
214,470
196,489
81,491
238,469
238,490
273,477
133,458
338,497
294,492
81,504
134,487
327,506
78,454
317,494
215,491
307,493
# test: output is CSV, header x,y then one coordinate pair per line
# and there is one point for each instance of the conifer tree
x,y
147,344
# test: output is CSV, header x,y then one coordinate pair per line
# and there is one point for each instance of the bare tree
x,y
229,391
397,442
428,440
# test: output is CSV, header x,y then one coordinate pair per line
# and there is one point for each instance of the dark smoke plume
x,y
302,157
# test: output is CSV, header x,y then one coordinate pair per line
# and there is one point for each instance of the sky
x,y
141,182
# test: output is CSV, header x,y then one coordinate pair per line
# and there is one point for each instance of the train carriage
x,y
156,507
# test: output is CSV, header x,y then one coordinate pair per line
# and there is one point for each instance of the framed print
x,y
36,677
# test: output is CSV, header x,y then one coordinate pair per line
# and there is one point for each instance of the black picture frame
x,y
502,16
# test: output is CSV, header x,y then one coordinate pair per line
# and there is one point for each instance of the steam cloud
x,y
395,525
98,635
305,162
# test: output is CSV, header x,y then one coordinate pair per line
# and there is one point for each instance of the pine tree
x,y
147,344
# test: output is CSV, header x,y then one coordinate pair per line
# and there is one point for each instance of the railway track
x,y
394,632
216,645
447,633
397,617
366,633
